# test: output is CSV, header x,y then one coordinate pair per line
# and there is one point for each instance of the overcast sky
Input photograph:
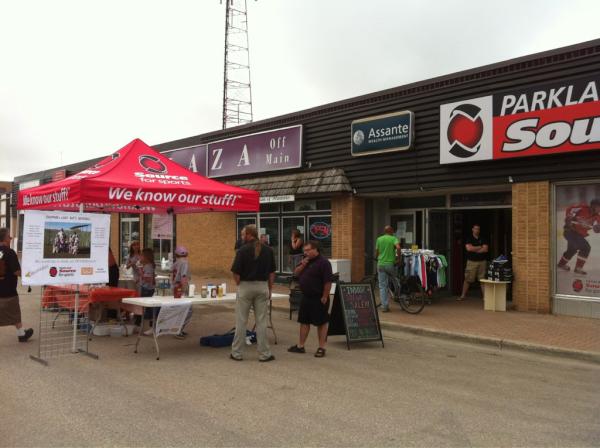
x,y
81,78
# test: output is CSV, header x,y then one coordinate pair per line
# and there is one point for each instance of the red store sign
x,y
549,119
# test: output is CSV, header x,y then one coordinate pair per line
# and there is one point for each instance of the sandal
x,y
320,353
296,349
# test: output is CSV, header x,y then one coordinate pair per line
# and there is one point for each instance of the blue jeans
x,y
384,272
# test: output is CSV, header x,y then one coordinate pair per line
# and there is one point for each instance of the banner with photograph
x,y
577,232
65,248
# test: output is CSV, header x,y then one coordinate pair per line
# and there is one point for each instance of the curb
x,y
495,342
484,340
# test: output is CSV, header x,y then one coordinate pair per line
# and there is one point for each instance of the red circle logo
x,y
53,271
465,130
577,285
152,164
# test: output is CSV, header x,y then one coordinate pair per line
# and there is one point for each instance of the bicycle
x,y
406,290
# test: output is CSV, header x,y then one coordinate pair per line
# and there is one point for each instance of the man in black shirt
x,y
314,274
477,252
10,269
254,272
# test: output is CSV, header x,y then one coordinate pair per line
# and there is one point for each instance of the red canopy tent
x,y
138,179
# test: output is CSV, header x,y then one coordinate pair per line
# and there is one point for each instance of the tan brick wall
x,y
210,238
348,240
114,234
531,246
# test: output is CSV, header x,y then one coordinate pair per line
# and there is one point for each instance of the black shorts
x,y
313,311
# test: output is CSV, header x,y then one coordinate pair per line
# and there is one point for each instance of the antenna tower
x,y
237,93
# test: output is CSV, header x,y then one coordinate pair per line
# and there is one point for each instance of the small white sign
x,y
273,199
162,227
65,248
172,317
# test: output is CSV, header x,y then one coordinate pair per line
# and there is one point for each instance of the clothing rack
x,y
428,266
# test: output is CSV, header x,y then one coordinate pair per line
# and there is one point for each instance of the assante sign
x,y
383,133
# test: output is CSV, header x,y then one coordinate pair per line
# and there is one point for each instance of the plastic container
x,y
116,331
101,330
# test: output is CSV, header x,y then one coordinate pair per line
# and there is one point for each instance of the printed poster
x,y
65,248
577,233
162,227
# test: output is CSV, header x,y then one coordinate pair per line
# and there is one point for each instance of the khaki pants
x,y
251,295
475,270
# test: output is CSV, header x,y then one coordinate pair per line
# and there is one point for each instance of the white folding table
x,y
158,301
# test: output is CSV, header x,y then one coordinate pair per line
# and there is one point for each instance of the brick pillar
x,y
531,246
210,239
348,240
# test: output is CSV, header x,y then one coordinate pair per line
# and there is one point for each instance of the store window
x,y
307,205
577,232
162,242
130,231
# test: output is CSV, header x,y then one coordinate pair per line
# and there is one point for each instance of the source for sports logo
x,y
152,164
577,285
465,130
53,271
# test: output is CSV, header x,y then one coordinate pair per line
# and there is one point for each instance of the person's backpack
x,y
2,265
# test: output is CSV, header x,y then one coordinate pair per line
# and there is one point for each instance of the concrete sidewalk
x,y
573,337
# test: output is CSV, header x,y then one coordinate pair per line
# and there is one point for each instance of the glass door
x,y
130,231
404,225
269,227
290,223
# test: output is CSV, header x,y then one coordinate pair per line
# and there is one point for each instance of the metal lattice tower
x,y
237,93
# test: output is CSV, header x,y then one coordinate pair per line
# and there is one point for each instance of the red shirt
x,y
580,218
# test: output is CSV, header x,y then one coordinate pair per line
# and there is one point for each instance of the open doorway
x,y
496,227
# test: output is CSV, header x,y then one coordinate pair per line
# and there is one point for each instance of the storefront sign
x,y
192,158
578,240
274,199
65,248
383,133
548,119
268,151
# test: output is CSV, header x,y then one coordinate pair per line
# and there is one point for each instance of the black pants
x,y
576,243
113,275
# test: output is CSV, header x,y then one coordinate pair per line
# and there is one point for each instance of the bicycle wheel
x,y
413,301
394,288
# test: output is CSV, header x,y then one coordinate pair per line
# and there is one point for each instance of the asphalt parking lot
x,y
417,391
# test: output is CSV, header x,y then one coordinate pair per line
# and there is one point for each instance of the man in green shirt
x,y
385,251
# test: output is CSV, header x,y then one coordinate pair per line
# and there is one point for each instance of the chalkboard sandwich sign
x,y
354,314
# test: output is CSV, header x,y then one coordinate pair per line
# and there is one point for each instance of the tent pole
x,y
76,311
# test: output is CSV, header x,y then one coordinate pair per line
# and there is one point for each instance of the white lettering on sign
x,y
542,99
523,134
141,196
245,158
217,164
47,198
192,165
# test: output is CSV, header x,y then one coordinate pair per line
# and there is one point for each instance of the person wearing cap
x,y
181,280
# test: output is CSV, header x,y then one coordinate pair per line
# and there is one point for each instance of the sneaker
x,y
148,332
234,358
579,271
27,335
296,349
564,267
270,358
181,335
